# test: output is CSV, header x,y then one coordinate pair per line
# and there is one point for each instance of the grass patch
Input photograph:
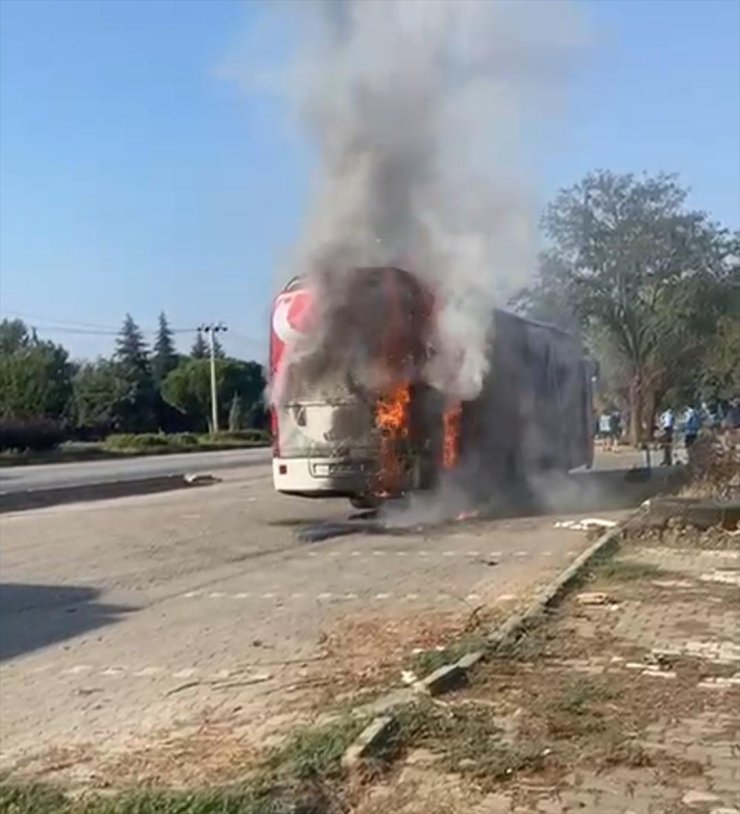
x,y
312,753
430,660
469,740
617,570
16,798
129,445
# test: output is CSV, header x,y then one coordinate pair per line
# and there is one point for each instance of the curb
x,y
455,674
56,496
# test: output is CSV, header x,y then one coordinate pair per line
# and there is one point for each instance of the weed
x,y
311,753
580,693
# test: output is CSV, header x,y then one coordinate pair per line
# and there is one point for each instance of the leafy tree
x,y
98,393
188,387
35,376
236,414
200,347
136,405
641,275
164,357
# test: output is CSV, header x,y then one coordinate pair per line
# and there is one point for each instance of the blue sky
x,y
135,178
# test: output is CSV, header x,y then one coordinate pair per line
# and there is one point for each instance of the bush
x,y
135,442
250,436
185,439
35,434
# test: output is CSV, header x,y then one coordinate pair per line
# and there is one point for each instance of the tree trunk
x,y
636,410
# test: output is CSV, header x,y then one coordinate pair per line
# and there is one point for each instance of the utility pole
x,y
212,329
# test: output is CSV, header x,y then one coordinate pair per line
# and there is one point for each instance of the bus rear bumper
x,y
322,477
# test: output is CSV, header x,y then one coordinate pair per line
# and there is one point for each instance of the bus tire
x,y
364,502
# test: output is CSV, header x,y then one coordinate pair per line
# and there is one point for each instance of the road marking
x,y
472,597
382,596
268,595
242,595
324,595
297,595
77,669
411,596
147,671
188,672
216,595
521,554
506,597
378,553
448,554
401,553
473,553
191,594
113,671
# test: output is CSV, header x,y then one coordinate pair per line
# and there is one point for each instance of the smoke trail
x,y
425,114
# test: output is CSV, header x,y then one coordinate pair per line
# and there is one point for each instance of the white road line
x,y
382,596
324,595
411,596
216,595
521,554
448,554
113,671
191,594
77,669
401,553
349,597
268,595
297,595
147,671
188,672
473,553
472,597
242,595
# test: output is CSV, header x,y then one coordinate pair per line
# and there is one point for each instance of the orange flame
x,y
451,447
391,418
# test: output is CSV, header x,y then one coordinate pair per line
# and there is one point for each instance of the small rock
x,y
592,598
695,797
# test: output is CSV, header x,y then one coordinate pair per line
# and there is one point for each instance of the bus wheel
x,y
364,502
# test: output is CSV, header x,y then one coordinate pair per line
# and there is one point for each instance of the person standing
x,y
667,423
691,427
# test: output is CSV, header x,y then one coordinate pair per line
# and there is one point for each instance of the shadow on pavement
x,y
34,616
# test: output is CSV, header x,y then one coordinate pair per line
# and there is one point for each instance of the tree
x,y
632,266
164,357
99,398
188,387
35,376
136,406
200,347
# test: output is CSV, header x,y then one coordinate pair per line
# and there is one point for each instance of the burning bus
x,y
354,414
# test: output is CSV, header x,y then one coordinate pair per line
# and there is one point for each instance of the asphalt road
x,y
149,621
51,476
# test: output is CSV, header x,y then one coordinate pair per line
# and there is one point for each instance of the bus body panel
x,y
533,414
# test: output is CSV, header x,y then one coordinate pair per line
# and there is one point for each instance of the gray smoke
x,y
428,116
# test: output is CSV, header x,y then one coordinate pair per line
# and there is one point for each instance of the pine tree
x,y
136,406
200,347
131,350
218,350
164,358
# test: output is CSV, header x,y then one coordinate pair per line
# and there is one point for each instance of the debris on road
x,y
587,524
592,598
200,479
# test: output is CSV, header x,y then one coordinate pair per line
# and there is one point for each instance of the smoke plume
x,y
428,116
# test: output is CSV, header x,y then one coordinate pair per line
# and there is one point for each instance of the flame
x,y
391,418
451,446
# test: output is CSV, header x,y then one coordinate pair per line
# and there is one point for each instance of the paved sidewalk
x,y
626,700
